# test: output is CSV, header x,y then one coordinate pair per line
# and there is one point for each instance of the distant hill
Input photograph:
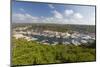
x,y
57,27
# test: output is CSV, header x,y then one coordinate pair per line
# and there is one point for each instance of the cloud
x,y
78,16
72,14
25,17
61,18
57,14
66,17
51,6
21,9
57,17
48,20
69,12
74,17
92,19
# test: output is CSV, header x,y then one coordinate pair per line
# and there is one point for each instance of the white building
x,y
17,36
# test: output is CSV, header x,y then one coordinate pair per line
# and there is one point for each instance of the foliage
x,y
30,52
57,27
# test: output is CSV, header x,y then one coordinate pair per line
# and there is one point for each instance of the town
x,y
49,37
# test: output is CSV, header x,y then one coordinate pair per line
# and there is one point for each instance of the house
x,y
83,41
66,43
17,36
76,43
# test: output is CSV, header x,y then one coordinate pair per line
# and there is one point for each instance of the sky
x,y
32,12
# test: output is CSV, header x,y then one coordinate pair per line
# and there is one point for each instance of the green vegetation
x,y
30,52
57,27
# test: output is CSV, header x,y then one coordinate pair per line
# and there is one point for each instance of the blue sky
x,y
30,12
